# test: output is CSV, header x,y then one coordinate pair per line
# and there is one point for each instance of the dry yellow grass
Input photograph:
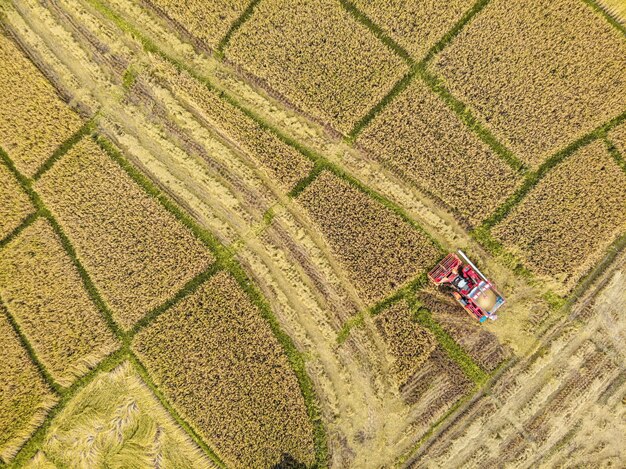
x,y
566,222
422,140
283,162
137,253
617,136
538,74
206,21
218,363
408,342
24,397
34,120
43,291
14,203
380,251
116,421
318,57
40,461
415,24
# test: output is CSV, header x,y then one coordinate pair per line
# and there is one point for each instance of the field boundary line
x,y
607,16
225,261
615,153
32,446
66,146
235,25
24,224
47,377
186,427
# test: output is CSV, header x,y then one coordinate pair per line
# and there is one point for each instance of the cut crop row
x,y
34,120
318,57
216,360
136,252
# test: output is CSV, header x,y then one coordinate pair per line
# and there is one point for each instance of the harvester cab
x,y
471,289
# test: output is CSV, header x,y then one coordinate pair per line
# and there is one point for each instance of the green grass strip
x,y
247,13
617,156
466,116
25,223
30,448
425,318
377,31
308,179
346,329
145,376
607,16
86,129
226,261
190,287
54,386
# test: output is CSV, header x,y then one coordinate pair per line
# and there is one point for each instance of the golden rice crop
x,y
617,137
408,342
314,54
206,21
379,249
218,363
423,141
137,253
34,120
480,344
24,397
415,24
43,291
566,222
538,74
116,421
284,163
615,8
14,203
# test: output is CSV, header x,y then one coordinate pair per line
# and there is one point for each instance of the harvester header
x,y
472,290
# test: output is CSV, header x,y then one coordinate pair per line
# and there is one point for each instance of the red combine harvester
x,y
468,285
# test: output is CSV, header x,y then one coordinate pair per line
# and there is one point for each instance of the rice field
x,y
137,253
565,224
216,360
336,75
43,291
617,137
25,399
538,75
14,203
424,142
122,424
34,120
379,250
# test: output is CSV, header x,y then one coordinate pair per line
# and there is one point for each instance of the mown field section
x,y
34,120
318,57
538,74
137,253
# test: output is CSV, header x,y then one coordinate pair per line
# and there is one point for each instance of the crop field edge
x,y
225,261
235,25
602,12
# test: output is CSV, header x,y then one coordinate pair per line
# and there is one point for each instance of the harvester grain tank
x,y
471,289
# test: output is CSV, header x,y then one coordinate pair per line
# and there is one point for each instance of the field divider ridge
x,y
607,16
247,13
226,261
25,223
188,429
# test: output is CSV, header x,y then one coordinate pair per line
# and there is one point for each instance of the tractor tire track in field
x,y
368,422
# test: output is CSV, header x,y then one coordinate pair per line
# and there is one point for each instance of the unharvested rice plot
x,y
480,344
566,222
206,21
34,120
43,291
24,397
318,57
435,387
14,203
379,250
116,421
415,24
617,136
137,253
283,162
424,142
408,342
218,363
539,74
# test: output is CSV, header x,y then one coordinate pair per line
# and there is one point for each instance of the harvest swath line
x,y
225,261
